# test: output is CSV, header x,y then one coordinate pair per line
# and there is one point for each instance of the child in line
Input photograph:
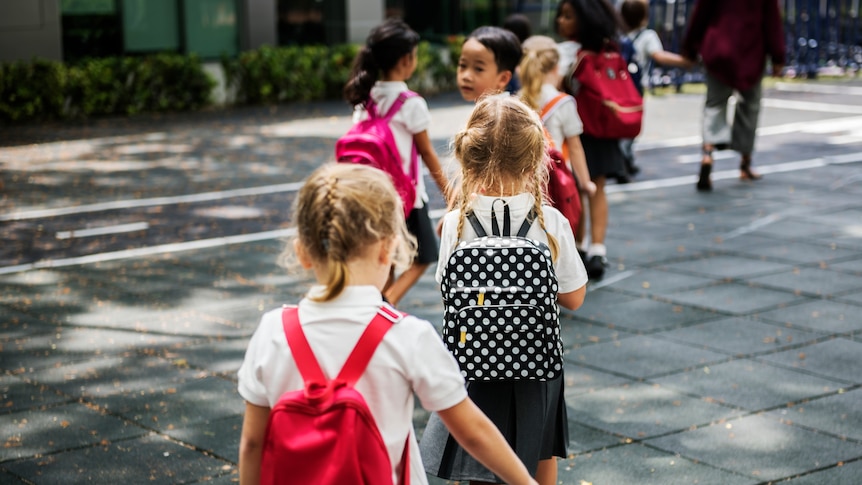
x,y
519,24
350,232
647,49
489,57
380,70
502,154
593,24
540,77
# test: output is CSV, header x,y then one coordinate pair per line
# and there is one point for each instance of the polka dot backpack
x,y
501,320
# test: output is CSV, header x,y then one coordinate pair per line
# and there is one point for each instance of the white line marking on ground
x,y
151,251
753,226
819,88
609,281
810,106
101,231
138,203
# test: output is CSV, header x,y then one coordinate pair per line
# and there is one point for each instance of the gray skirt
x,y
518,408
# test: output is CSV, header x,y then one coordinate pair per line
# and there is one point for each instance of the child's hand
x,y
589,187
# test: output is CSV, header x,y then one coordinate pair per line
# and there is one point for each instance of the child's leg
x,y
546,474
598,213
398,288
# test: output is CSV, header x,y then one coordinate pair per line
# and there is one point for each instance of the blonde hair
x,y
503,142
540,58
340,211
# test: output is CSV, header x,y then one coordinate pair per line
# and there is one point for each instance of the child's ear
x,y
503,79
302,254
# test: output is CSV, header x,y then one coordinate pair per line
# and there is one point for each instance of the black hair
x,y
633,13
386,45
598,23
502,43
518,24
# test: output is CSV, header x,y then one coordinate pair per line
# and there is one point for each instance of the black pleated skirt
x,y
519,409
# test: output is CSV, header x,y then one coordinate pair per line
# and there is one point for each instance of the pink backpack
x,y
370,142
325,434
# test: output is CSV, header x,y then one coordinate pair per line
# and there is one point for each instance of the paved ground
x,y
723,346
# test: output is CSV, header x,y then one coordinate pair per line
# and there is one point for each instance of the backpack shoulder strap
x,y
477,226
399,101
302,354
358,359
549,107
528,221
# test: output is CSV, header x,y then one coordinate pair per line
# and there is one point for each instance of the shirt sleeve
x,y
571,274
435,376
415,115
571,121
260,351
651,44
448,240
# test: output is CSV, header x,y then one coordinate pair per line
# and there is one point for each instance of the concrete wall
x,y
30,28
258,23
362,16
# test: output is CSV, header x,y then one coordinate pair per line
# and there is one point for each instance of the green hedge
x,y
271,75
42,89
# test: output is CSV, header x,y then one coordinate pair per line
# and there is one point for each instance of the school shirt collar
x,y
518,203
354,295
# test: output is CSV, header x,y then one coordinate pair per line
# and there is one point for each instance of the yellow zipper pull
x,y
463,336
481,298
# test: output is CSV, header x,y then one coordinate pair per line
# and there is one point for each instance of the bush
x,y
271,75
32,90
97,87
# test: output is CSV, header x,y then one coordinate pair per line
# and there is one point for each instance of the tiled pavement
x,y
724,345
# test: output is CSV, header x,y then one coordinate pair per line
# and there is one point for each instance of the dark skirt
x,y
519,409
420,226
604,157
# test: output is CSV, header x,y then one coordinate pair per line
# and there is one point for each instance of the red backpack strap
x,y
302,354
358,360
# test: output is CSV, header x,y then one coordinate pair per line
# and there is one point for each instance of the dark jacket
x,y
733,37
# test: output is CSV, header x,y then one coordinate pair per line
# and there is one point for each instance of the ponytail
x,y
363,75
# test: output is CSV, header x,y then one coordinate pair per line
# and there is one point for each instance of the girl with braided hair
x,y
350,231
502,154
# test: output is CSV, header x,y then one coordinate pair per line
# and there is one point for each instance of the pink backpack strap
x,y
302,354
414,155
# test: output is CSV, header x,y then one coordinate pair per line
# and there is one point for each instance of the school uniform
x,y
413,117
410,359
530,414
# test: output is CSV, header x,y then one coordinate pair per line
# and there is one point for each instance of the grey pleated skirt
x,y
519,409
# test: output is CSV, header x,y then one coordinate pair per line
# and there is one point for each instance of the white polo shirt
x,y
411,358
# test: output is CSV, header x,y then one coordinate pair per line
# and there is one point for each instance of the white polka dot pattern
x,y
501,319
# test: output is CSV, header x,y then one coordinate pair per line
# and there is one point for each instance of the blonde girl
x,y
540,77
350,232
502,154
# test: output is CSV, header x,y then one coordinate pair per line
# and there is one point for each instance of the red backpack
x,y
608,101
562,187
370,142
325,434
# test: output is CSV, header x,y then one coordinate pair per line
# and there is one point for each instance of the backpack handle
x,y
522,231
358,359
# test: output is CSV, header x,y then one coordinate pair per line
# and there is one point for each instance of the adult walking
x,y
733,38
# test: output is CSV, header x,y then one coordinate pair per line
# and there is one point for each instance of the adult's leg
x,y
716,131
745,120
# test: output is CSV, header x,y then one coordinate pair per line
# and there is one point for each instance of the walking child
x,y
502,154
489,57
540,77
647,49
379,75
350,232
593,25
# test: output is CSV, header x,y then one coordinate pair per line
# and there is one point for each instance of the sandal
x,y
745,172
704,184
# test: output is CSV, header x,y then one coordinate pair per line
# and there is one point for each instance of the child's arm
x,y
573,299
429,156
667,58
251,443
481,438
579,164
